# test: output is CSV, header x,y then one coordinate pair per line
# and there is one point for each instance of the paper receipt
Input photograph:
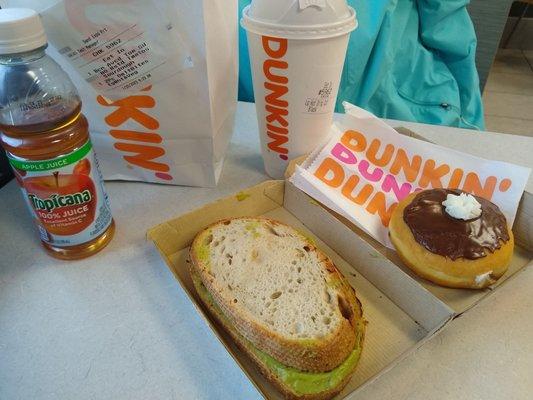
x,y
116,47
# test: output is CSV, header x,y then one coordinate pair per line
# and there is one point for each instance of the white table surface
x,y
118,325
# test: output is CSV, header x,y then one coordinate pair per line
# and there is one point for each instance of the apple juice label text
x,y
65,195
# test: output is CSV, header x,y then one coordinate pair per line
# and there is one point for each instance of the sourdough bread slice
x,y
279,291
292,383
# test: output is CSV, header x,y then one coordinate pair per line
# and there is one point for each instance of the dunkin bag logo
x,y
143,144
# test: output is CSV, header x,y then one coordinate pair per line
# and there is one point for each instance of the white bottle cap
x,y
299,19
21,30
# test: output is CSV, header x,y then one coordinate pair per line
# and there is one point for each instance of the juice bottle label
x,y
65,195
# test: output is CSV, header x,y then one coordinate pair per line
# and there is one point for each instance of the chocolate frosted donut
x,y
451,250
442,234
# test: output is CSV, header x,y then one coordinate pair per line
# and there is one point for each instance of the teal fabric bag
x,y
412,60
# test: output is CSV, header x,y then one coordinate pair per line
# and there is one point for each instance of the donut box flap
x,y
459,363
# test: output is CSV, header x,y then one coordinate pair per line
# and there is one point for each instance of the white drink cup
x,y
297,51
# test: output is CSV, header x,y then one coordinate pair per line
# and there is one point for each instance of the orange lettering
x,y
269,64
505,184
275,106
328,166
372,152
136,136
354,140
455,180
128,108
379,204
402,162
277,129
277,91
277,142
144,155
274,53
433,175
277,114
473,185
362,196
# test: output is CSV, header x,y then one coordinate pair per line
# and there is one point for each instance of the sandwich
x,y
282,301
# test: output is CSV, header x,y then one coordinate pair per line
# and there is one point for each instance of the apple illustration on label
x,y
65,204
82,168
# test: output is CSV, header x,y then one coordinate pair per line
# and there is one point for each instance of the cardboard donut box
x,y
403,310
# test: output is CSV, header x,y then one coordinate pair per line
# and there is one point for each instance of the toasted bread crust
x,y
320,355
263,369
460,273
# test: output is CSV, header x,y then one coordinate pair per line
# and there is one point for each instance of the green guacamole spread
x,y
252,227
203,254
300,382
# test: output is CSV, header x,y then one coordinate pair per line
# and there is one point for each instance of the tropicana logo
x,y
58,201
144,155
276,106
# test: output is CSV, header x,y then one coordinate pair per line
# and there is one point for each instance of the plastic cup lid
x,y
21,30
299,19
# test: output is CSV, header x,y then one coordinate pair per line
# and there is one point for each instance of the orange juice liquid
x,y
55,166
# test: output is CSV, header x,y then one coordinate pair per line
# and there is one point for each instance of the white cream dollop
x,y
482,279
464,206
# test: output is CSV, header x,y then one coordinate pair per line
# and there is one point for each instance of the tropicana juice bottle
x,y
47,142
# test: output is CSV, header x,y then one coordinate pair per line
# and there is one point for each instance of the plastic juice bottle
x,y
47,142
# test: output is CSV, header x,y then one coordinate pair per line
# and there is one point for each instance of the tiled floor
x,y
508,95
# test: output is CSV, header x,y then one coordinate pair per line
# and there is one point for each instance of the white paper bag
x,y
167,117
